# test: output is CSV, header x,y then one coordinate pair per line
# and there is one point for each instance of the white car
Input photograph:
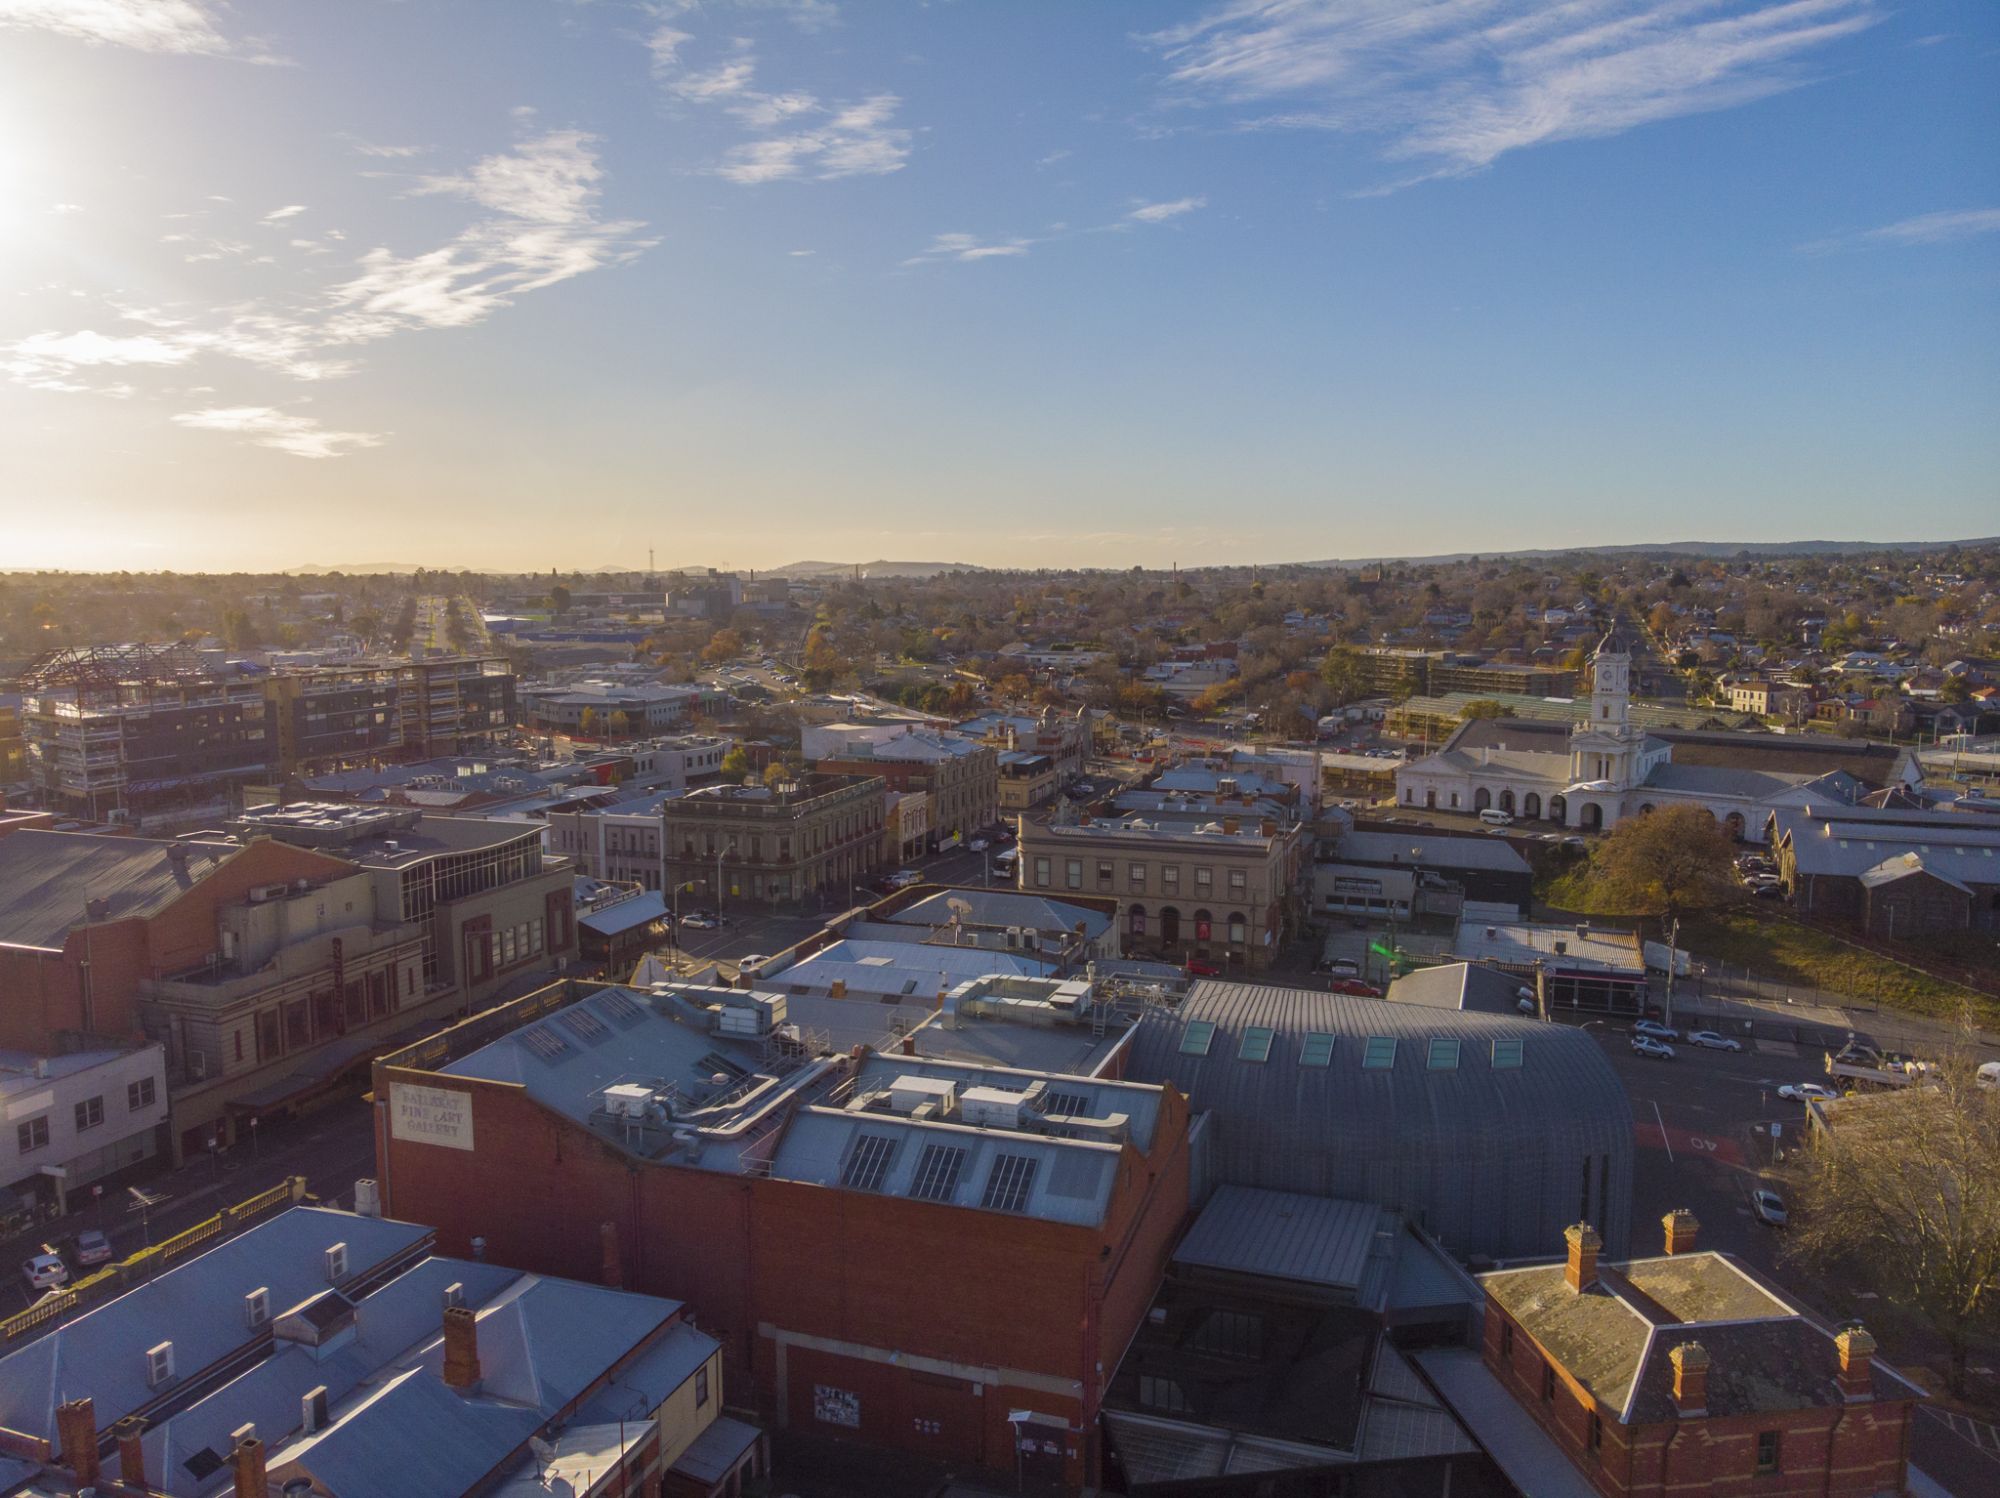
x,y
45,1270
1770,1208
698,922
1708,1040
1806,1092
1654,1029
904,878
1645,1045
979,845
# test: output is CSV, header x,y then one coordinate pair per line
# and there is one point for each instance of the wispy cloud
x,y
856,140
279,215
1926,228
1455,84
184,26
373,148
62,209
264,426
969,247
1159,213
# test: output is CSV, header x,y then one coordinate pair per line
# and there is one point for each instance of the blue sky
x,y
521,283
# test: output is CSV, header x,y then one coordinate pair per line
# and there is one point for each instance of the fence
x,y
114,1279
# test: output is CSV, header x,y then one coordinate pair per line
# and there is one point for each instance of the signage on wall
x,y
430,1115
833,1406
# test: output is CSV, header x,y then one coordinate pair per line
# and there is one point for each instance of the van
x,y
1493,816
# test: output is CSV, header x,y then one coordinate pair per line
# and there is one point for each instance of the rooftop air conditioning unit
x,y
259,893
257,1307
627,1100
907,1093
159,1364
336,1263
992,1107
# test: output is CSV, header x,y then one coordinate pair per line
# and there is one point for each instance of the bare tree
x,y
1902,1195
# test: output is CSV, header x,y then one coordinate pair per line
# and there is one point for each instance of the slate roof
x,y
47,878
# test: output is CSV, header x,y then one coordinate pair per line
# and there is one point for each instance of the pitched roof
x,y
47,879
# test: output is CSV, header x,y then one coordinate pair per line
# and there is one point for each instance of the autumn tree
x,y
1482,707
821,664
736,763
1901,1197
1665,863
725,644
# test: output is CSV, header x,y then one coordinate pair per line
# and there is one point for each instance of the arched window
x,y
1238,931
1481,799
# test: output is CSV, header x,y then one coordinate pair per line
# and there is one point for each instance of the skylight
x,y
1197,1037
1379,1054
1256,1044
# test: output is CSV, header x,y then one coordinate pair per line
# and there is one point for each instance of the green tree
x,y
559,597
1666,864
736,763
1482,707
1345,671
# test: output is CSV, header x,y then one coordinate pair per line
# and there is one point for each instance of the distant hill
x,y
1709,549
869,569
353,569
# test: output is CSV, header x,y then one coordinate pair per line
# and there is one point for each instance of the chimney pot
x,y
1690,1361
131,1451
1584,1244
249,1460
1857,1375
1683,1227
461,1349
76,1432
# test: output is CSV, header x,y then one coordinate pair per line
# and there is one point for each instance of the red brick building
x,y
893,1248
1686,1374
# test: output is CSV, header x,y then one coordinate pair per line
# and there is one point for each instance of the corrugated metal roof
x,y
1488,1159
626,914
1283,1235
1002,908
1508,1433
47,879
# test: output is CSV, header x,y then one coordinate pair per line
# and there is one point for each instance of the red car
x,y
1356,987
1199,967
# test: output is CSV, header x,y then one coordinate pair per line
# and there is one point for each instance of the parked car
x,y
698,920
1201,967
1655,1029
45,1270
1805,1092
1645,1045
749,960
1708,1040
1357,987
979,844
1344,967
1770,1208
1767,891
92,1247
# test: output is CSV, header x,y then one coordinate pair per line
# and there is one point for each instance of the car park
x,y
1655,1029
1770,1208
1645,1045
1806,1092
45,1270
1708,1040
92,1247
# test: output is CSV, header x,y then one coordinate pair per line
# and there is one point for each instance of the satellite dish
x,y
958,906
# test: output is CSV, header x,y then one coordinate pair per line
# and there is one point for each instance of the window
x,y
938,1168
1138,920
33,1134
1104,873
868,1162
1197,1037
298,1025
89,1113
1767,1451
701,1386
1135,875
1238,882
1204,878
1596,1433
1066,1104
1008,1184
1170,876
1229,1334
139,1094
1506,1055
1443,1054
1237,930
1379,1054
1042,873
1317,1049
269,1044
1073,873
1161,1393
1548,1382
1256,1044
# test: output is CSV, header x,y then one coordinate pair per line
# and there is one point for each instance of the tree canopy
x,y
1665,863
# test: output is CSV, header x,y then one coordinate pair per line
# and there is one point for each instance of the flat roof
x,y
1520,944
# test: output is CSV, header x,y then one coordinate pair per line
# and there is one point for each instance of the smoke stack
x,y
461,1349
249,1461
76,1433
1857,1374
1682,1228
1690,1361
131,1451
1581,1272
614,1268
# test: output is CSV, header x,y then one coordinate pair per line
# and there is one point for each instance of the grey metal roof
x,y
1509,1434
716,1450
1735,783
1285,1236
1487,1158
1002,908
1416,848
626,914
1459,985
48,878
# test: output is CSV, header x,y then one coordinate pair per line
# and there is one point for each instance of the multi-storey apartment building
x,y
779,844
1223,891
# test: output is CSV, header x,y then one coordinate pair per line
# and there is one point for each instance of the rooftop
x,y
52,882
1522,945
1417,848
1344,1246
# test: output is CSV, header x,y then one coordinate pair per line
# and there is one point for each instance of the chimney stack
x,y
1584,1244
131,1451
76,1434
1857,1352
614,1268
1683,1227
249,1462
461,1349
1690,1361
909,1045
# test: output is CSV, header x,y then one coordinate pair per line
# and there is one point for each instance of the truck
x,y
1856,1065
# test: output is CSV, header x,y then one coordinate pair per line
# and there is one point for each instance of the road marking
x,y
1663,1133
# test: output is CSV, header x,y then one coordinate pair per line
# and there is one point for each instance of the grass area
x,y
1787,952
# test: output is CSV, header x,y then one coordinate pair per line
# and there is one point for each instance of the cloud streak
x,y
264,426
1453,85
180,26
1948,227
1159,213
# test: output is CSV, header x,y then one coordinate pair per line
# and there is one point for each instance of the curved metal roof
x,y
1492,1159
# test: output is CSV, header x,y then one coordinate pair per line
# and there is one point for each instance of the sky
x,y
519,284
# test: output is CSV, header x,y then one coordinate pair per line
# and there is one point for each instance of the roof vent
x,y
159,1364
454,1294
336,1263
257,1306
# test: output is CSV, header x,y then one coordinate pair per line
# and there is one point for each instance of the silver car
x,y
1708,1040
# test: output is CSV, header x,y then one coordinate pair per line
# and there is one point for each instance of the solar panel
x,y
868,1162
544,1042
1008,1183
938,1168
586,1026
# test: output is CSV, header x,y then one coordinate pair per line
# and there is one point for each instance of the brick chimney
x,y
248,1458
76,1434
1690,1361
1584,1244
614,1268
1857,1377
131,1451
461,1349
1683,1227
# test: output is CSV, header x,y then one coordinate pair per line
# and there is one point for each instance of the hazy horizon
x,y
536,284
